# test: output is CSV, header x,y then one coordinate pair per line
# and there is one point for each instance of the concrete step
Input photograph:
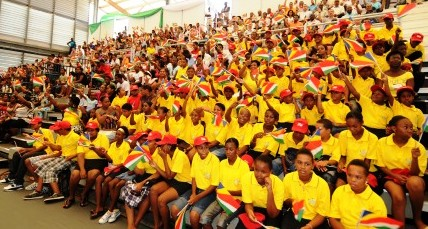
x,y
7,150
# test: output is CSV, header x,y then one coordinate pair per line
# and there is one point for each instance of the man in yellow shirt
x,y
388,31
304,185
349,201
48,168
416,54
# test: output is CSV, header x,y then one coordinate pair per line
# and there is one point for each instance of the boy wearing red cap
x,y
334,109
48,167
416,54
287,109
90,162
17,167
309,112
389,30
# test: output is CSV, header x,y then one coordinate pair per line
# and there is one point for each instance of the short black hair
x,y
359,163
125,129
394,52
355,114
326,123
234,141
127,106
304,151
394,120
265,159
221,106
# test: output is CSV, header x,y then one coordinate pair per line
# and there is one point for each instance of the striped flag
x,y
392,40
368,219
366,26
132,160
293,38
180,222
296,55
17,84
357,64
370,56
217,71
316,148
223,80
147,156
278,135
182,83
98,77
218,120
244,103
175,106
277,19
204,90
279,61
327,66
269,88
298,210
313,85
332,29
262,53
357,46
38,81
226,200
403,10
218,37
425,125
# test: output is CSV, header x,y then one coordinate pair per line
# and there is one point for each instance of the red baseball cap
x,y
376,88
369,36
405,88
417,37
338,88
269,69
64,125
92,125
36,120
318,70
300,125
285,93
154,135
200,140
137,136
168,139
248,223
219,56
247,158
55,126
134,87
388,16
308,94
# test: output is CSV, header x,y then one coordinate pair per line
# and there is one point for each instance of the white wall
x,y
188,12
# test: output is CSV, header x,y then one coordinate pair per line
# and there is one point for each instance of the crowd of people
x,y
253,106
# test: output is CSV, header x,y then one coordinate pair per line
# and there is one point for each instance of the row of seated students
x,y
177,176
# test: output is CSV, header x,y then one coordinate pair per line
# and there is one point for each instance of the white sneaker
x,y
31,186
13,187
104,219
114,215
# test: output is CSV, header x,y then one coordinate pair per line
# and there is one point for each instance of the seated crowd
x,y
277,119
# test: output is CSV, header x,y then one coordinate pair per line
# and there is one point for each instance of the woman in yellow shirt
x,y
349,201
403,160
397,77
120,98
262,192
355,143
108,181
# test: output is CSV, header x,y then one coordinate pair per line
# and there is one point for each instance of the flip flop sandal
x,y
68,203
95,215
84,202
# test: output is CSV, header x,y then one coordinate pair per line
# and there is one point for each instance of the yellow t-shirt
x,y
263,107
282,82
398,81
100,142
118,154
386,34
191,131
243,134
256,194
211,130
312,116
181,166
330,147
419,48
266,142
315,193
46,134
335,112
155,124
412,113
157,159
231,175
357,149
287,112
206,172
290,143
347,206
176,128
126,121
117,101
72,117
391,156
363,85
68,143
375,116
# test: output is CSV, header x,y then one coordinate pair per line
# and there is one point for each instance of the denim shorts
x,y
199,206
211,212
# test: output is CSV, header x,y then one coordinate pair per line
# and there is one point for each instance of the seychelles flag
x,y
298,210
38,81
327,66
357,64
425,125
223,80
226,200
353,44
403,10
316,148
182,83
98,77
279,61
296,55
180,222
218,120
370,220
176,107
313,85
217,71
262,53
244,103
133,159
366,26
278,135
269,88
331,29
277,19
204,90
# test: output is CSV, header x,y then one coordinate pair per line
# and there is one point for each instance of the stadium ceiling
x,y
132,6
